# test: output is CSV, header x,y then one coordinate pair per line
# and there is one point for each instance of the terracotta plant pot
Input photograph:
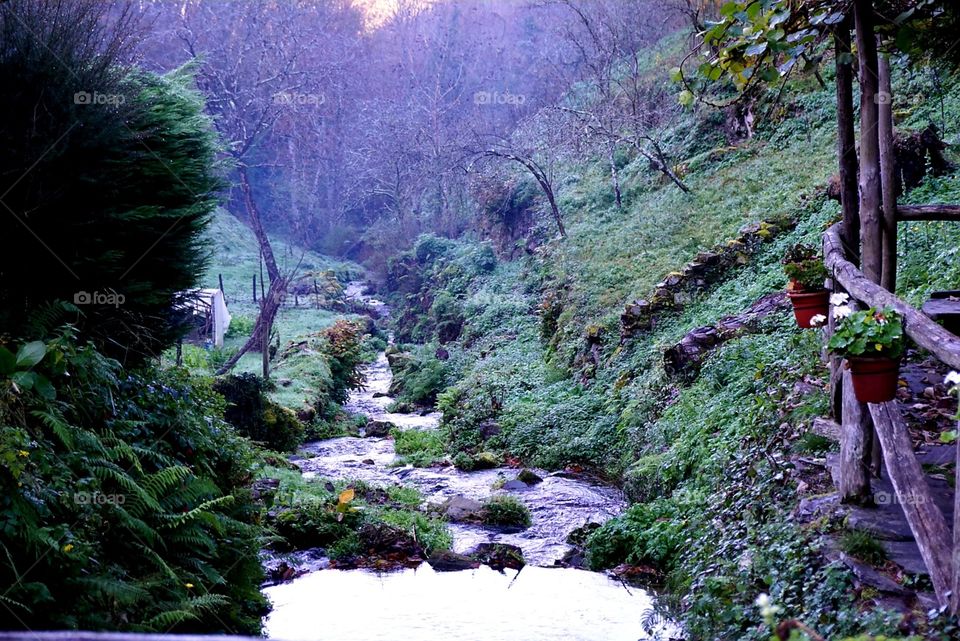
x,y
874,378
806,305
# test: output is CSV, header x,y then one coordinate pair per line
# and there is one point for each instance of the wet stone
x,y
451,562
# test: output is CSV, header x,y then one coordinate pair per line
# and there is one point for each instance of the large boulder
x,y
461,508
377,429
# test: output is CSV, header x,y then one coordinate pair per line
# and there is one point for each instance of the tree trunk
x,y
253,212
269,306
871,232
615,175
846,140
888,179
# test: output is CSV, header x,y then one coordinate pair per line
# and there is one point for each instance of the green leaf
x,y
31,354
44,387
685,98
948,437
24,380
8,362
729,9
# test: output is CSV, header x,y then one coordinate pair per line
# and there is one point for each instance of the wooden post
x,y
926,521
955,586
264,342
871,232
254,288
855,447
846,140
220,278
888,178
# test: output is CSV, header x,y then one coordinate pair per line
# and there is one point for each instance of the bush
x,y
111,250
418,376
240,326
504,509
256,416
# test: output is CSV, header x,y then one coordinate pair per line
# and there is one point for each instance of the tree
x,y
251,66
535,146
106,182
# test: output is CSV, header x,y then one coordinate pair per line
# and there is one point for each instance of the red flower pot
x,y
874,378
806,305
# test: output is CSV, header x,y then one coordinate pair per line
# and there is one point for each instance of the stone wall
x,y
708,267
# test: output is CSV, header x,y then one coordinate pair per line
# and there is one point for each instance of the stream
x,y
538,602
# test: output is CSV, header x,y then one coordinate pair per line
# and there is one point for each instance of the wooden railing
x,y
74,635
928,212
940,550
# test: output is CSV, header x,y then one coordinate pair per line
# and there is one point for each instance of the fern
x,y
165,621
122,592
200,512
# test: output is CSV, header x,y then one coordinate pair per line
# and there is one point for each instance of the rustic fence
x,y
875,431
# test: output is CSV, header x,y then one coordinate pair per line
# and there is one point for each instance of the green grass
x,y
504,509
864,547
307,515
420,448
236,258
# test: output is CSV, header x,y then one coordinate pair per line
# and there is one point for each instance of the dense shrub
x,y
418,375
124,502
256,416
122,203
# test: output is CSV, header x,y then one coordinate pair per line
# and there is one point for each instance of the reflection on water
x,y
477,605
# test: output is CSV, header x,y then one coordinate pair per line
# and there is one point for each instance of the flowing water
x,y
538,602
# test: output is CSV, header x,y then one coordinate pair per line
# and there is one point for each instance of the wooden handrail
x,y
928,212
924,332
79,635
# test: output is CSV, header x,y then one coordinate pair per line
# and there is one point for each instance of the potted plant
x,y
872,342
806,272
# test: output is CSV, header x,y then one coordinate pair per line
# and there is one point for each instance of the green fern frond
x,y
198,512
164,621
117,590
157,560
160,483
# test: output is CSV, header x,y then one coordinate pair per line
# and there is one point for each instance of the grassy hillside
x,y
706,457
235,258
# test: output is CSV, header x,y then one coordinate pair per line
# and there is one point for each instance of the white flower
x,y
767,609
818,320
839,299
953,378
842,311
